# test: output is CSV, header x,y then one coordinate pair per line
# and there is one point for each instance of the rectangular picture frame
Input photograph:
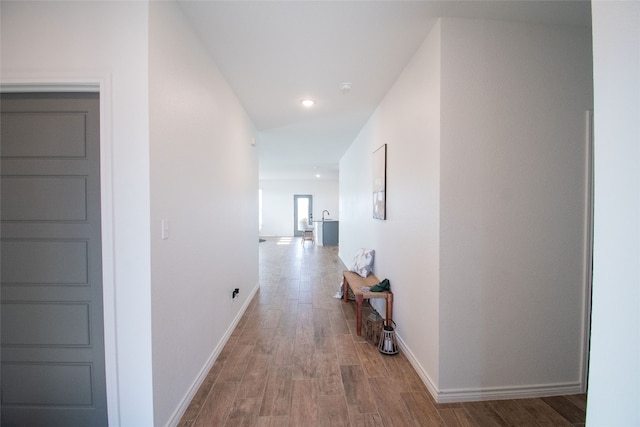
x,y
380,183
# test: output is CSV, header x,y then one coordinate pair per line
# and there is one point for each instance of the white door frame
x,y
100,83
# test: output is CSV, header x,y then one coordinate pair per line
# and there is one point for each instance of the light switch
x,y
165,229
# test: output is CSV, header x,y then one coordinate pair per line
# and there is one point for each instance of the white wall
x,y
614,374
513,185
277,203
204,181
407,242
77,41
486,207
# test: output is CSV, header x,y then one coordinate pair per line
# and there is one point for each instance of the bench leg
x,y
359,299
345,289
389,308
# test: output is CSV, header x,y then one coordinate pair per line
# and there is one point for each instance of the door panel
x,y
39,262
44,198
48,134
57,385
50,253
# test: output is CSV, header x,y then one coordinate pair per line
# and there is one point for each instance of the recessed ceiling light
x,y
308,102
317,175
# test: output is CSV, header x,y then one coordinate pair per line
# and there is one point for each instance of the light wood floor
x,y
295,360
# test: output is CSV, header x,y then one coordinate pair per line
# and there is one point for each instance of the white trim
x,y
507,393
186,400
101,83
487,393
588,255
426,379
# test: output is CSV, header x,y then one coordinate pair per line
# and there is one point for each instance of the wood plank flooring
x,y
295,360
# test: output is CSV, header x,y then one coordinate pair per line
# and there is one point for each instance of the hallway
x,y
294,360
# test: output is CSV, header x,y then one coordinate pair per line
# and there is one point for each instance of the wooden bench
x,y
355,282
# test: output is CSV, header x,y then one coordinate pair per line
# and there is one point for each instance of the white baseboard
x,y
202,375
503,393
433,389
488,393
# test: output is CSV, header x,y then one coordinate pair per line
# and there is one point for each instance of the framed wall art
x,y
380,183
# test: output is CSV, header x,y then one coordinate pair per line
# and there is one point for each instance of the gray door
x,y
302,208
52,321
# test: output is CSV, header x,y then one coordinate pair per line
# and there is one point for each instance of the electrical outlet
x,y
235,293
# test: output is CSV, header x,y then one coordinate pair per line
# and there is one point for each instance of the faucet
x,y
323,214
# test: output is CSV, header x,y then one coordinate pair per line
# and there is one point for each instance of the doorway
x,y
53,357
302,209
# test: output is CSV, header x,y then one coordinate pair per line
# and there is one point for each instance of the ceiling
x,y
276,53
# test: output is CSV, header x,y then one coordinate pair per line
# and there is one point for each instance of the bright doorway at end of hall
x,y
302,209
